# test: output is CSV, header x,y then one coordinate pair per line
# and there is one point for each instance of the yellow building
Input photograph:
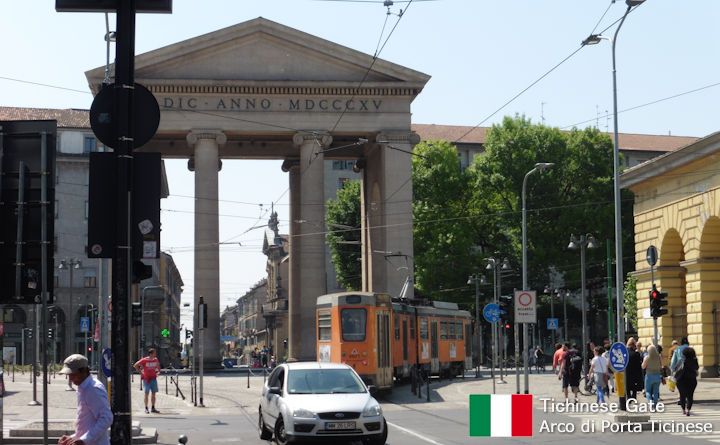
x,y
677,209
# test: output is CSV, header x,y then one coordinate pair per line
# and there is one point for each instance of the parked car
x,y
312,400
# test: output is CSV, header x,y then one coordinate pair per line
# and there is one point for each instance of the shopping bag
x,y
671,383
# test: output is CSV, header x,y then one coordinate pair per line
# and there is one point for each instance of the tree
x,y
343,237
630,300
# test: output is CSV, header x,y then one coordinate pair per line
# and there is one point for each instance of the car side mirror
x,y
373,390
275,390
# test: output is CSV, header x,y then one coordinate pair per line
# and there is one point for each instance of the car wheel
x,y
378,439
280,436
265,433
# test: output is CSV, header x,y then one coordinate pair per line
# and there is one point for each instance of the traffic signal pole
x,y
120,431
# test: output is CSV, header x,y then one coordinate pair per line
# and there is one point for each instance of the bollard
x,y
428,389
182,440
166,385
13,374
248,371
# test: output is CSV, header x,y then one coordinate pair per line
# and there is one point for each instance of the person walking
x,y
570,370
611,372
686,378
633,371
678,354
149,368
653,374
671,351
93,408
556,357
539,359
598,371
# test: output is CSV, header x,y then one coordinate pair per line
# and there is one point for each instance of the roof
x,y
477,135
66,118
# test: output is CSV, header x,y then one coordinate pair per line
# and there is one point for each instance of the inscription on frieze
x,y
269,104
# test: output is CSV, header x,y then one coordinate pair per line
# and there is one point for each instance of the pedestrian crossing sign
x,y
84,324
552,323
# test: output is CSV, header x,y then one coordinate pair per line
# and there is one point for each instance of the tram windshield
x,y
353,324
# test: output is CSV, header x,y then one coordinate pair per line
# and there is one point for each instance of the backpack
x,y
575,364
679,369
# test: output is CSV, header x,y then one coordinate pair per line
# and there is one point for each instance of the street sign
x,y
84,324
106,357
618,357
525,306
552,323
651,255
492,312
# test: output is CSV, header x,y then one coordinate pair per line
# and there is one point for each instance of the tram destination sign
x,y
161,6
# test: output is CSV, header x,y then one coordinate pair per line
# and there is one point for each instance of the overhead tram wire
x,y
532,84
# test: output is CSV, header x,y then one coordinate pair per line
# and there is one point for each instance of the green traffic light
x,y
165,333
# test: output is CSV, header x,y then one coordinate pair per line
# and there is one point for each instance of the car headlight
x,y
304,413
372,410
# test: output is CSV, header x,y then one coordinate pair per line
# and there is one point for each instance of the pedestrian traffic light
x,y
657,301
136,319
89,348
507,325
50,332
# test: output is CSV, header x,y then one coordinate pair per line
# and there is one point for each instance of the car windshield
x,y
323,381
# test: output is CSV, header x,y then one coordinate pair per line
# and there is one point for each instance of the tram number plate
x,y
339,425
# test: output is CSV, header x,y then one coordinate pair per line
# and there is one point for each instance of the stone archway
x,y
670,278
261,90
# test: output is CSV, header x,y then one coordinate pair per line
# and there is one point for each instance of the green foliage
x,y
345,212
630,300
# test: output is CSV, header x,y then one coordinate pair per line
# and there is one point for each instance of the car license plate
x,y
339,425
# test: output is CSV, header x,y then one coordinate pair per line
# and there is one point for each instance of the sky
x,y
486,59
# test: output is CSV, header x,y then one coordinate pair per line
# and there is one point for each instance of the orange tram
x,y
385,339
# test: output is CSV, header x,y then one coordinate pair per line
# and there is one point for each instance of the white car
x,y
311,400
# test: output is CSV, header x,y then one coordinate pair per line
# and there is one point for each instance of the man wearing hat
x,y
93,409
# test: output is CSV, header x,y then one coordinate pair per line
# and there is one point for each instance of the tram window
x,y
459,330
423,329
397,327
443,330
412,328
324,325
451,333
353,324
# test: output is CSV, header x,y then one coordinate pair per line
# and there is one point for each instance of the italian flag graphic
x,y
501,415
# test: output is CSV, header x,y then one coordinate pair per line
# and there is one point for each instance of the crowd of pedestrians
x,y
645,373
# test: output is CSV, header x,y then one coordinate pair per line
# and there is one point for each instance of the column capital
x,y
289,163
196,134
397,137
323,139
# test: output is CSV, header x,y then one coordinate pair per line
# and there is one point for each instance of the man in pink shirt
x,y
150,370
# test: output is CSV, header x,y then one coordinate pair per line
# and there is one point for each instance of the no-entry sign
x,y
525,305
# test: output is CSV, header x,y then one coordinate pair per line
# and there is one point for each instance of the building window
x,y
342,165
341,183
90,144
90,282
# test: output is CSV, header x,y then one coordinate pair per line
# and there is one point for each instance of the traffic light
x,y
50,332
29,333
507,325
136,319
89,348
188,334
657,301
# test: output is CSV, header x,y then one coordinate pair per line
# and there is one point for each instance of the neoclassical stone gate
x,y
261,90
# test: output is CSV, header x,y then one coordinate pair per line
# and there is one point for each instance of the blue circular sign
x,y
106,357
618,357
492,312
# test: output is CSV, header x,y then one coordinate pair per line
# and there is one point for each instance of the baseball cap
x,y
73,363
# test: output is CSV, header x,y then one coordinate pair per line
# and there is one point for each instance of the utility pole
x,y
202,324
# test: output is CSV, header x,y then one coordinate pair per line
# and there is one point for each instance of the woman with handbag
x,y
653,374
686,378
598,369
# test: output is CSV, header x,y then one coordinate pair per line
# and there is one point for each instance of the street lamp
x,y
478,280
539,166
549,291
583,242
593,40
71,264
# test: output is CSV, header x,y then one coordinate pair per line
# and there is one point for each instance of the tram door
x,y
384,366
405,347
434,348
469,346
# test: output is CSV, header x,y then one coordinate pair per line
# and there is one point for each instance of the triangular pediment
x,y
263,51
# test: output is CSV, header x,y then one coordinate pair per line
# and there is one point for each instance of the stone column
x,y
702,298
311,241
206,164
293,285
388,194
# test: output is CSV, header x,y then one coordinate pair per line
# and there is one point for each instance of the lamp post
x,y
478,338
495,264
583,242
594,39
71,264
549,291
539,166
565,294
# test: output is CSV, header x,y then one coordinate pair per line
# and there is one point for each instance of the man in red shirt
x,y
556,357
150,370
